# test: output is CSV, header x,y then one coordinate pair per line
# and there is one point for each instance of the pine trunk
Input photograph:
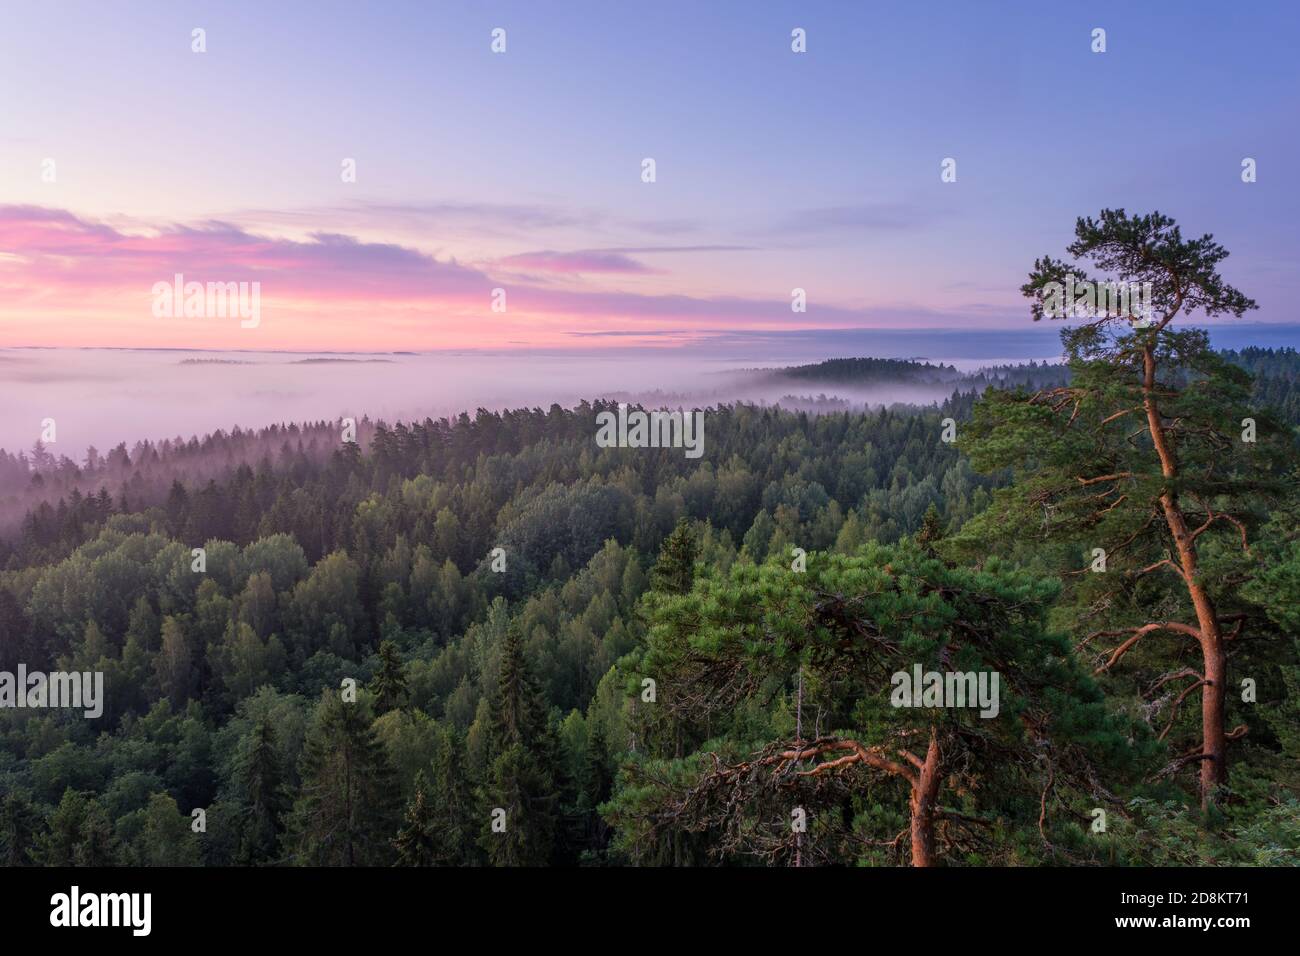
x,y
925,793
1214,768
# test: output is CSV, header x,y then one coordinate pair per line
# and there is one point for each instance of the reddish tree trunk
x,y
1214,767
1214,750
925,793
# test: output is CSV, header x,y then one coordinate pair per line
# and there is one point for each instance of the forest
x,y
486,641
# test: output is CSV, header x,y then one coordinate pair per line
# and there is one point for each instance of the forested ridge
x,y
501,589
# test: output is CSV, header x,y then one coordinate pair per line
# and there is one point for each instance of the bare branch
x,y
1173,714
1141,632
1100,478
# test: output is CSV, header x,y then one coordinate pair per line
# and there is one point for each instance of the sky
x,y
127,158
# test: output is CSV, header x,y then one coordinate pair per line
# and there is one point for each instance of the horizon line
x,y
698,337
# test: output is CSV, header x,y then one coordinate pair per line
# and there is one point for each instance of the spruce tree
x,y
346,812
521,827
439,827
389,685
518,711
79,834
263,800
596,787
521,773
453,803
675,568
931,528
417,840
57,846
19,827
98,846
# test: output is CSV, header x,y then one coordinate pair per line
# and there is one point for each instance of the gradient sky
x,y
522,170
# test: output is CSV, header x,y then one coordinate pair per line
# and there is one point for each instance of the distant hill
x,y
870,371
880,371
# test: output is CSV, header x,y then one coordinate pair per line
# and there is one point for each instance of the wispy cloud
x,y
517,221
582,261
55,251
647,250
870,218
78,281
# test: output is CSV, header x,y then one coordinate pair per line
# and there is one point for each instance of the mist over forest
x,y
377,560
248,405
371,390
557,441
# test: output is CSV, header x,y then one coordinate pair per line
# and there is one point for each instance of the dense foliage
x,y
501,714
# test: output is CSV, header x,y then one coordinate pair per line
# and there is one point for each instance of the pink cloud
x,y
48,246
71,281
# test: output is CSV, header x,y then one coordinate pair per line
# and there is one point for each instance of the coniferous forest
x,y
674,474
488,641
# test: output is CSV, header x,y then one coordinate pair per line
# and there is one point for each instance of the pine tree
x,y
1141,463
851,625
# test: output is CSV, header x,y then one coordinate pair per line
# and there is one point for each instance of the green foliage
x,y
847,628
524,690
346,810
675,569
1143,483
163,835
389,685
521,778
260,794
79,834
417,842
